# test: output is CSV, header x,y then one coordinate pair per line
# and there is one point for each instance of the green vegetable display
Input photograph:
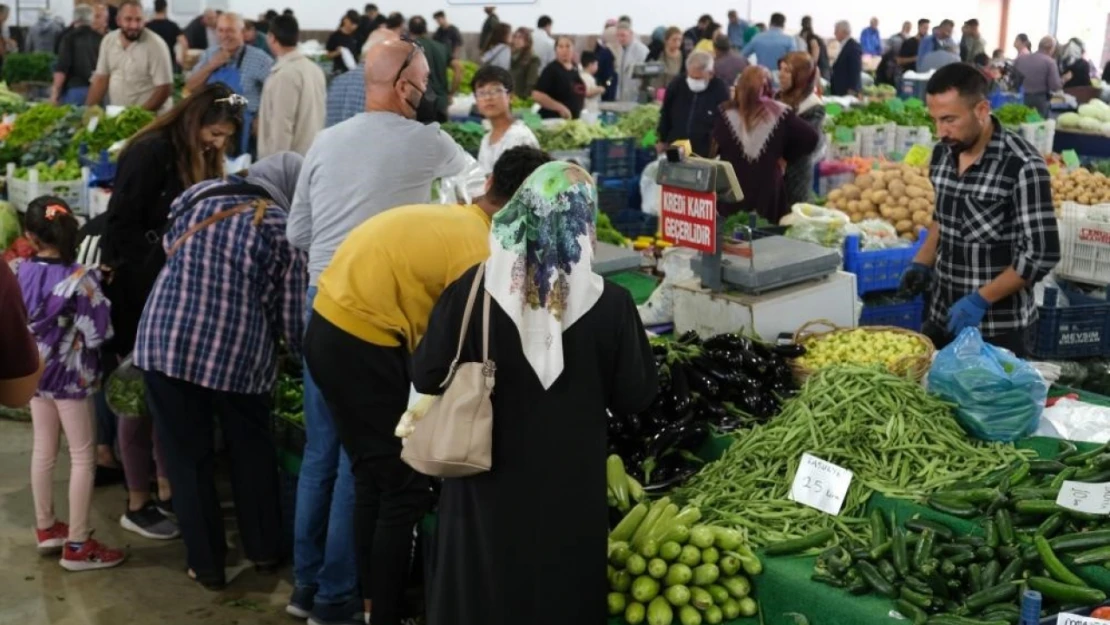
x,y
124,392
606,233
28,67
575,135
110,130
11,102
289,398
61,171
897,439
665,568
468,134
469,69
35,122
10,228
639,121
1012,114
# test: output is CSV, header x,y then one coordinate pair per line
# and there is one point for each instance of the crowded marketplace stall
x,y
824,318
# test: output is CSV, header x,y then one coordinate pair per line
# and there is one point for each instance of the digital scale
x,y
768,263
644,72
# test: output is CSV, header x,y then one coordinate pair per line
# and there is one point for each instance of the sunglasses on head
x,y
408,59
234,101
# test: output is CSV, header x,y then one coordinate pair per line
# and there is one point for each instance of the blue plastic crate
x,y
998,99
613,158
644,157
635,223
878,270
906,315
1079,330
102,170
617,194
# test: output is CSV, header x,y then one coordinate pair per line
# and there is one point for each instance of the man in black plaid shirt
x,y
994,231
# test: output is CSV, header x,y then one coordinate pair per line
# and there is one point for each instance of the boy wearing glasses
x,y
493,88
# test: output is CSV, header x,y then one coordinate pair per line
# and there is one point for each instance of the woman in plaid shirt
x,y
232,287
994,235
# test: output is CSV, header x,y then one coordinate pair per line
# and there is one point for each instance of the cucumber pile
x,y
664,569
1027,541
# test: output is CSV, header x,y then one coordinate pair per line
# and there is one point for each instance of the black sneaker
x,y
165,507
148,522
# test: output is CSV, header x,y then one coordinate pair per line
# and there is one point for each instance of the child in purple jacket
x,y
69,317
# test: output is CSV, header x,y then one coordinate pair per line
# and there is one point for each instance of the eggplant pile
x,y
722,384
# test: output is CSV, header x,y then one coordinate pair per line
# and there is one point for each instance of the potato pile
x,y
897,193
1080,186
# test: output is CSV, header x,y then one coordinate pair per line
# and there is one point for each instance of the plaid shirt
x,y
997,215
254,69
346,96
225,298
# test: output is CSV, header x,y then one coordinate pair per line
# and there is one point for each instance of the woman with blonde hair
x,y
760,137
798,79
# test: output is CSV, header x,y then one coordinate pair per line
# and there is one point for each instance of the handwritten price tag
x,y
821,485
1083,497
1075,619
1071,158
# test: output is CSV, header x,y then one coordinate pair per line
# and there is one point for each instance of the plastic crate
x,y
1079,330
1085,243
644,157
578,157
998,99
908,315
23,192
614,158
634,223
878,270
617,194
102,170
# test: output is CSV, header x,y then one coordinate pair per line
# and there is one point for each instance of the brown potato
x,y
904,226
915,192
865,181
904,201
921,217
852,192
835,195
900,214
853,206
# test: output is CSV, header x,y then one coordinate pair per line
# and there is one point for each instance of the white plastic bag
x,y
650,190
675,265
817,224
462,188
1075,421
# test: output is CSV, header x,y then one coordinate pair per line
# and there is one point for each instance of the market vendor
x,y
372,309
691,105
994,231
560,91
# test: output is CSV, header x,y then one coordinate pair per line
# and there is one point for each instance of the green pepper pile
x,y
575,135
1013,114
1026,541
60,171
469,69
639,121
606,233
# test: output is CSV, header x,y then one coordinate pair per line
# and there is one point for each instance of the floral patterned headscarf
x,y
540,266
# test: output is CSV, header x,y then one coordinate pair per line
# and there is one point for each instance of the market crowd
x,y
332,252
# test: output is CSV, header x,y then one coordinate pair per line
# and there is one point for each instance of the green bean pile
x,y
896,439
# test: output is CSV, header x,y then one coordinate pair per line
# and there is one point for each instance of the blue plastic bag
x,y
998,396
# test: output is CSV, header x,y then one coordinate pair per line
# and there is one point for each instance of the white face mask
x,y
697,86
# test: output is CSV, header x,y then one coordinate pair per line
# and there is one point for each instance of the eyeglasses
x,y
490,93
234,101
409,58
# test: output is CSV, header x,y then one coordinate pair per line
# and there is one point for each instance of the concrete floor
x,y
149,588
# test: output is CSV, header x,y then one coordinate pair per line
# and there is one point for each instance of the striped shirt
x,y
996,215
224,298
254,67
346,96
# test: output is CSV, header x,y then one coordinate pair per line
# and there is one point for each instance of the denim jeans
x,y
75,96
323,530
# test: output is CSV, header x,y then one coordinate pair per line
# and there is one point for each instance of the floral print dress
x,y
70,319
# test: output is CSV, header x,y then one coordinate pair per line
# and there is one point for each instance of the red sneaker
x,y
53,539
91,556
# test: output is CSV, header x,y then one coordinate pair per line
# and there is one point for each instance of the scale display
x,y
690,177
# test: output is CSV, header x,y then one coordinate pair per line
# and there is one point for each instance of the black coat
x,y
848,69
689,115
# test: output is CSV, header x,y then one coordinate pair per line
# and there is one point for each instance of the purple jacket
x,y
70,319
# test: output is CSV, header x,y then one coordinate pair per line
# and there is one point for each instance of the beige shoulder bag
x,y
454,438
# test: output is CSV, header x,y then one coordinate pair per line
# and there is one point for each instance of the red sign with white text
x,y
689,218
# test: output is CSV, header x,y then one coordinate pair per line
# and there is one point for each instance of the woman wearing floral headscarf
x,y
568,345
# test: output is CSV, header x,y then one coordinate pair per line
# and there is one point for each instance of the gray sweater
x,y
366,165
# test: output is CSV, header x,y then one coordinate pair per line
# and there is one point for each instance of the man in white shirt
x,y
632,52
493,88
543,44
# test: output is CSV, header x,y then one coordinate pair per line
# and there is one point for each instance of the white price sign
x,y
1075,619
1084,497
819,484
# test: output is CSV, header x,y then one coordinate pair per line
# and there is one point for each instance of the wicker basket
x,y
914,367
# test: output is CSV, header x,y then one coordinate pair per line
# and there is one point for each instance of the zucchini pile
x,y
1026,541
664,569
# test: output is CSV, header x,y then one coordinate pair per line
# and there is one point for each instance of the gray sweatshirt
x,y
354,170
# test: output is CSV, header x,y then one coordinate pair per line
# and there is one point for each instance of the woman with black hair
x,y
177,150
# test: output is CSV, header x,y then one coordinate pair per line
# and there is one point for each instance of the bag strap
x,y
466,323
259,206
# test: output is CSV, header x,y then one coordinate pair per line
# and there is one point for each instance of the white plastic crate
x,y
22,192
98,201
877,141
1085,243
1040,134
842,149
906,137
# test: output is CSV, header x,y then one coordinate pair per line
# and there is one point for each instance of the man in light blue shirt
x,y
870,39
736,28
941,35
771,45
